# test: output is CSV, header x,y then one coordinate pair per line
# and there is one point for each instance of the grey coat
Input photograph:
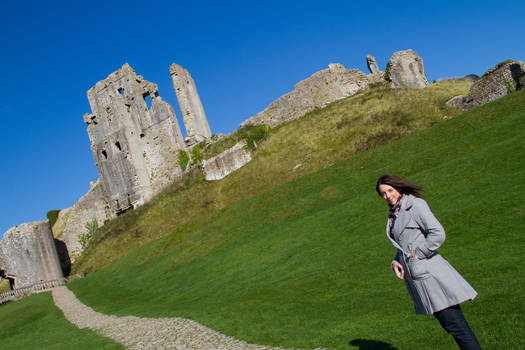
x,y
431,281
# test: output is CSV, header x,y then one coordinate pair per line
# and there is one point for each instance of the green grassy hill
x,y
296,256
307,263
313,142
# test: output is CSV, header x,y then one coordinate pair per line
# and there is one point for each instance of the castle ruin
x,y
28,255
134,138
197,127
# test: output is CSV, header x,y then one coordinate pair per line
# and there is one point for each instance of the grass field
x,y
307,263
36,323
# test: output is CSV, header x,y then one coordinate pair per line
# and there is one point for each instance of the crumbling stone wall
x,y
227,162
320,89
197,127
134,138
28,252
503,79
92,206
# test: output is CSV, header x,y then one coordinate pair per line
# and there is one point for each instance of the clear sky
x,y
242,55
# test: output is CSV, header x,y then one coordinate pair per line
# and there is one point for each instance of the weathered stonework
x,y
405,69
318,90
134,145
92,206
372,65
227,162
197,127
28,253
497,82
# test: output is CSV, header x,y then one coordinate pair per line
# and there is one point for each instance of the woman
x,y
433,284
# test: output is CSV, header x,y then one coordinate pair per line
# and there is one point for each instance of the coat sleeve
x,y
432,229
397,258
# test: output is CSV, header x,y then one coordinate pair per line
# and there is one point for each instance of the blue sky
x,y
242,55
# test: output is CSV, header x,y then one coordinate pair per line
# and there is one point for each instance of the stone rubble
x,y
147,333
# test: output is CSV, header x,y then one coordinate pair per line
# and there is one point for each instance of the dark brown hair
x,y
402,186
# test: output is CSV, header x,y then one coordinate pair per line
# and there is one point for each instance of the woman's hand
x,y
398,269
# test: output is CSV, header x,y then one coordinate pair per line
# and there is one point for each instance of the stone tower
x,y
197,127
28,253
134,138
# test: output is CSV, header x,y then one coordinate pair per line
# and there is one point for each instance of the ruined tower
x,y
28,253
134,138
197,127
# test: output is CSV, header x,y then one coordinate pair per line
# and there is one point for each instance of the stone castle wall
x,y
134,145
197,127
326,86
92,206
222,165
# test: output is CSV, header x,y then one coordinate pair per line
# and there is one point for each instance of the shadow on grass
x,y
365,344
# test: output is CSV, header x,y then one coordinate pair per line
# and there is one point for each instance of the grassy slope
x,y
306,264
313,142
36,323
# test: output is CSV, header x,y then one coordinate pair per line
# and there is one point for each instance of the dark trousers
x,y
453,321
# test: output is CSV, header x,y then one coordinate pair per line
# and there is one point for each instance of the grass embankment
x,y
290,151
36,323
307,263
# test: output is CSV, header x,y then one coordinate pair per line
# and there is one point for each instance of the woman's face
x,y
389,193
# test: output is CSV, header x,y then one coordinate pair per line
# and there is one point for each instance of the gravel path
x,y
147,333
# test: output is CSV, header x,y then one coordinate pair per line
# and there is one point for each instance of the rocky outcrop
x,y
405,69
505,78
92,206
326,86
28,254
227,162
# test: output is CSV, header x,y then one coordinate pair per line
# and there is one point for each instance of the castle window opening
x,y
121,91
118,146
141,135
104,154
147,99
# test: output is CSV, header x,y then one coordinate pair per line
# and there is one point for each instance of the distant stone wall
x,y
318,90
28,253
227,162
494,84
91,206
